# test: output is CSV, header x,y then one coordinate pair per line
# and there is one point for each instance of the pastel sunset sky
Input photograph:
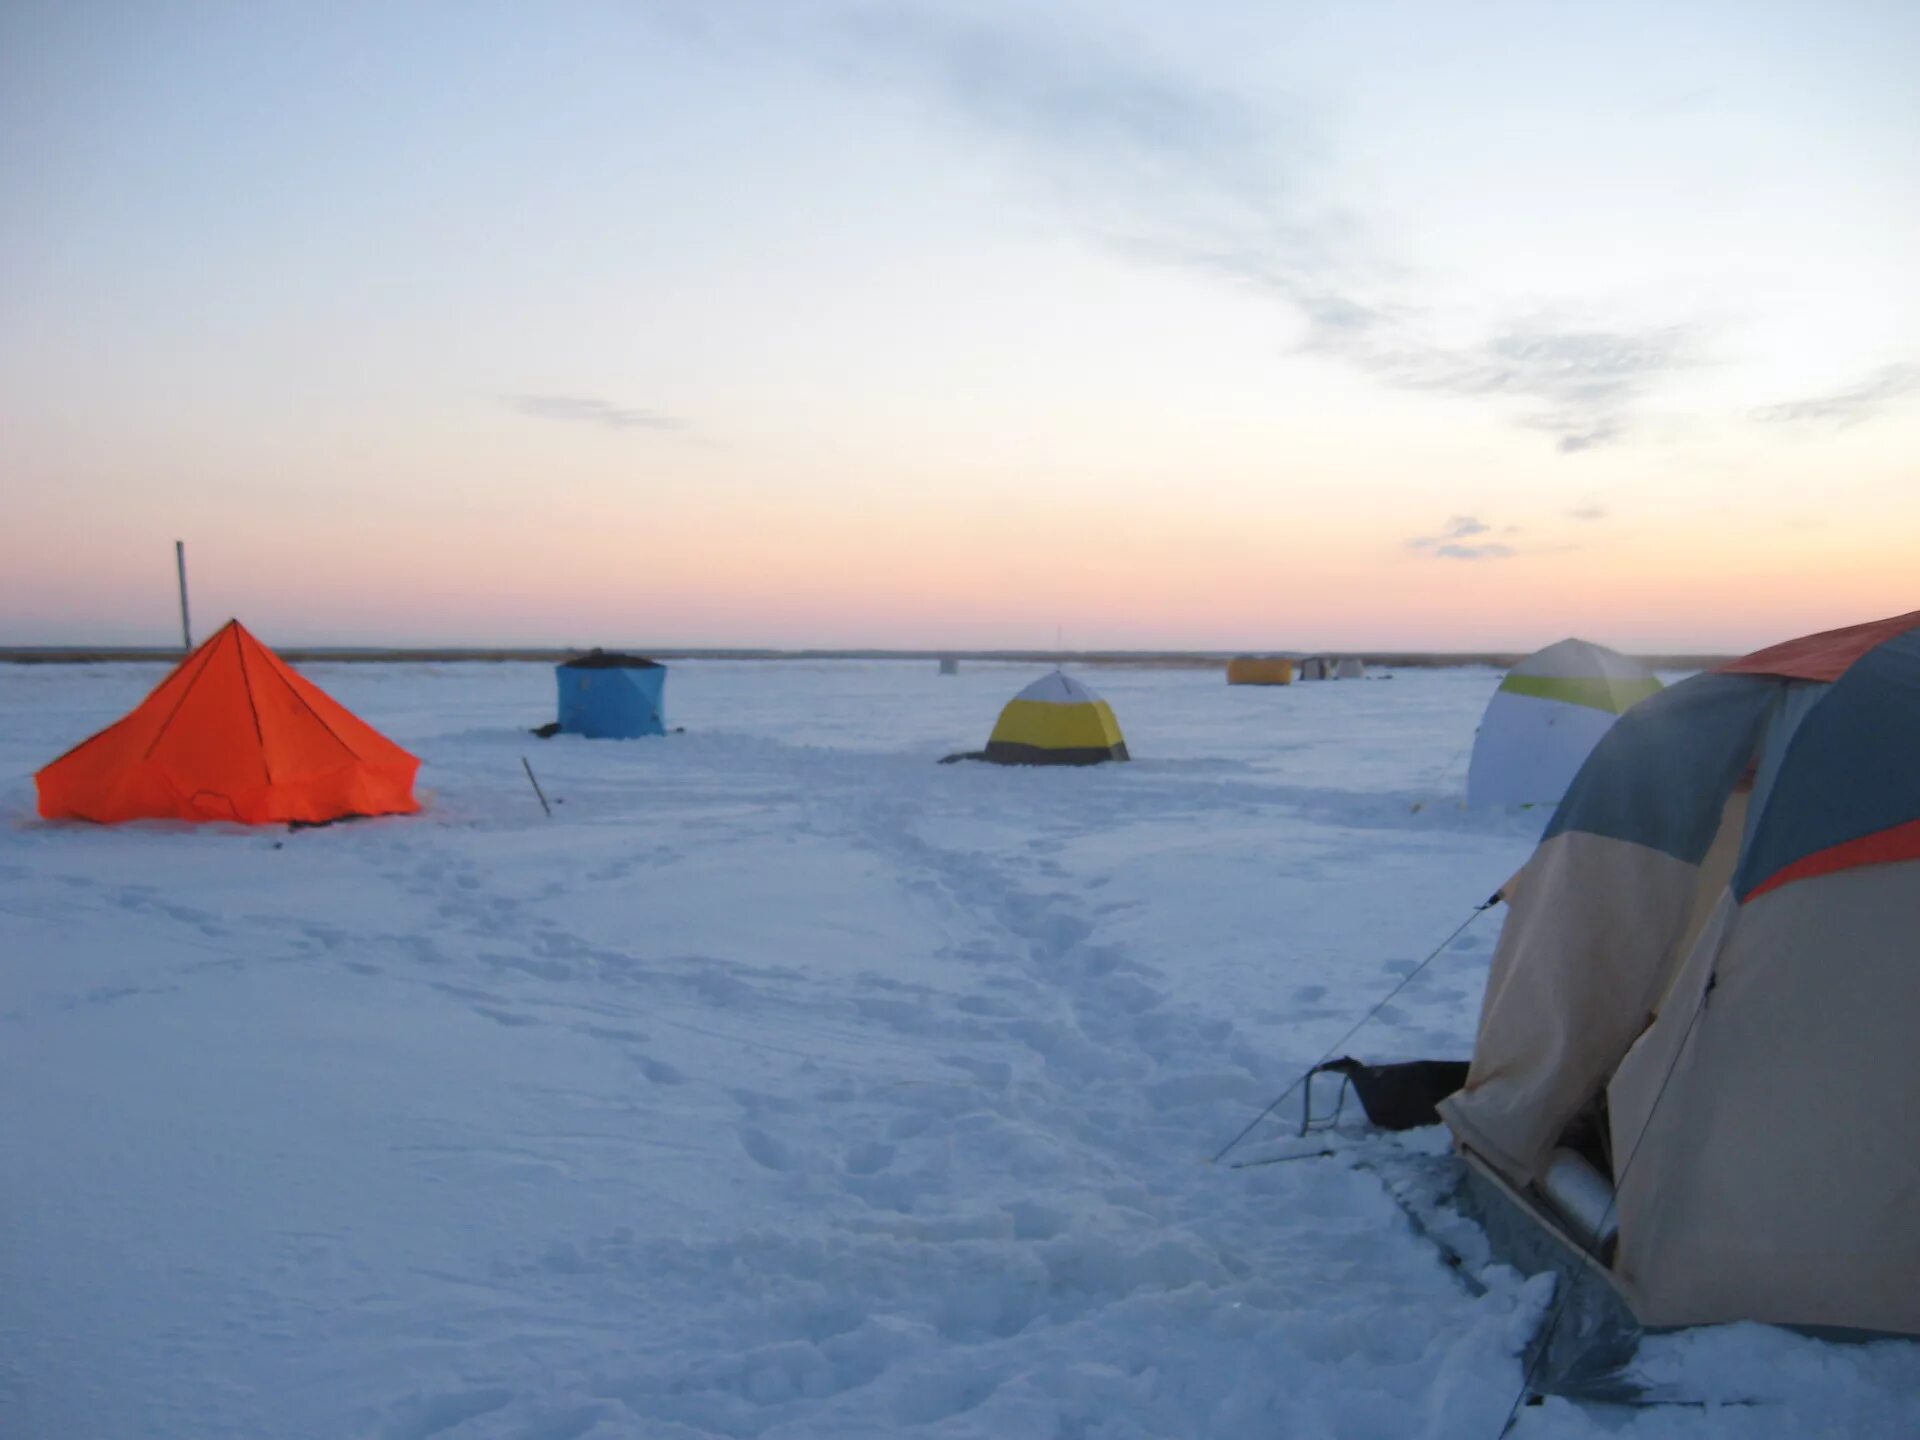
x,y
1434,325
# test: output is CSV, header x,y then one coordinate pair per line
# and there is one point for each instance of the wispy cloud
x,y
1578,384
1852,406
1448,545
587,410
1588,510
1069,92
1172,169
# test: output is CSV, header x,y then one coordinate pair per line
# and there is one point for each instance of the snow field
x,y
783,1084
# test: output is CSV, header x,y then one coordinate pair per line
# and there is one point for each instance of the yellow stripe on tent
x,y
1596,692
1057,727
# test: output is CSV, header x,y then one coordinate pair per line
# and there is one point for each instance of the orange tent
x,y
234,733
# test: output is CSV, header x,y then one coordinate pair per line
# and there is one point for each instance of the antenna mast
x,y
180,564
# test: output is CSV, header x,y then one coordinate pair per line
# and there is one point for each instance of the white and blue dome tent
x,y
609,696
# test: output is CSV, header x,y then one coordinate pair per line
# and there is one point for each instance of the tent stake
x,y
536,787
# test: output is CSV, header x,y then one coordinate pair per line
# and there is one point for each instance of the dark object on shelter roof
x,y
598,659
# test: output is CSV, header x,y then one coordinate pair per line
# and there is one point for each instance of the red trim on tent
x,y
1883,847
1826,656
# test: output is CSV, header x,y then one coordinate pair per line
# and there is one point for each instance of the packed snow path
x,y
783,1084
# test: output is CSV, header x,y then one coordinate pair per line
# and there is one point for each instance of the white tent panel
x,y
1528,749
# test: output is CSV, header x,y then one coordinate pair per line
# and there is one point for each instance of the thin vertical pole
x,y
180,563
536,787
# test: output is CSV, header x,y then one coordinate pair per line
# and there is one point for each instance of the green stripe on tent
x,y
1596,692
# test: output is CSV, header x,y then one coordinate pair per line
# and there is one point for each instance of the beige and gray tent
x,y
1696,1058
1351,667
1315,667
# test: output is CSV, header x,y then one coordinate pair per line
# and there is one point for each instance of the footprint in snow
x,y
994,1074
983,1005
909,1125
568,1424
1035,1221
766,1151
659,1072
426,1416
868,1158
616,1033
929,1399
504,1017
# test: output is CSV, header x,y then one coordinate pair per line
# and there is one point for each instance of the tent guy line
x,y
1358,1025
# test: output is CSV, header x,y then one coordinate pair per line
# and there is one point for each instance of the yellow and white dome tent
x,y
1054,721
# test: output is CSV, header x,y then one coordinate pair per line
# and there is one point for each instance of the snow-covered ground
x,y
784,1083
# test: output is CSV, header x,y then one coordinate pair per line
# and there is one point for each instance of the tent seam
x,y
259,732
338,738
185,691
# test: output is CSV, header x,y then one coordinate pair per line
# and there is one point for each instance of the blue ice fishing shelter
x,y
607,696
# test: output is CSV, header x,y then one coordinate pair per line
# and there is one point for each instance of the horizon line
x,y
524,654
